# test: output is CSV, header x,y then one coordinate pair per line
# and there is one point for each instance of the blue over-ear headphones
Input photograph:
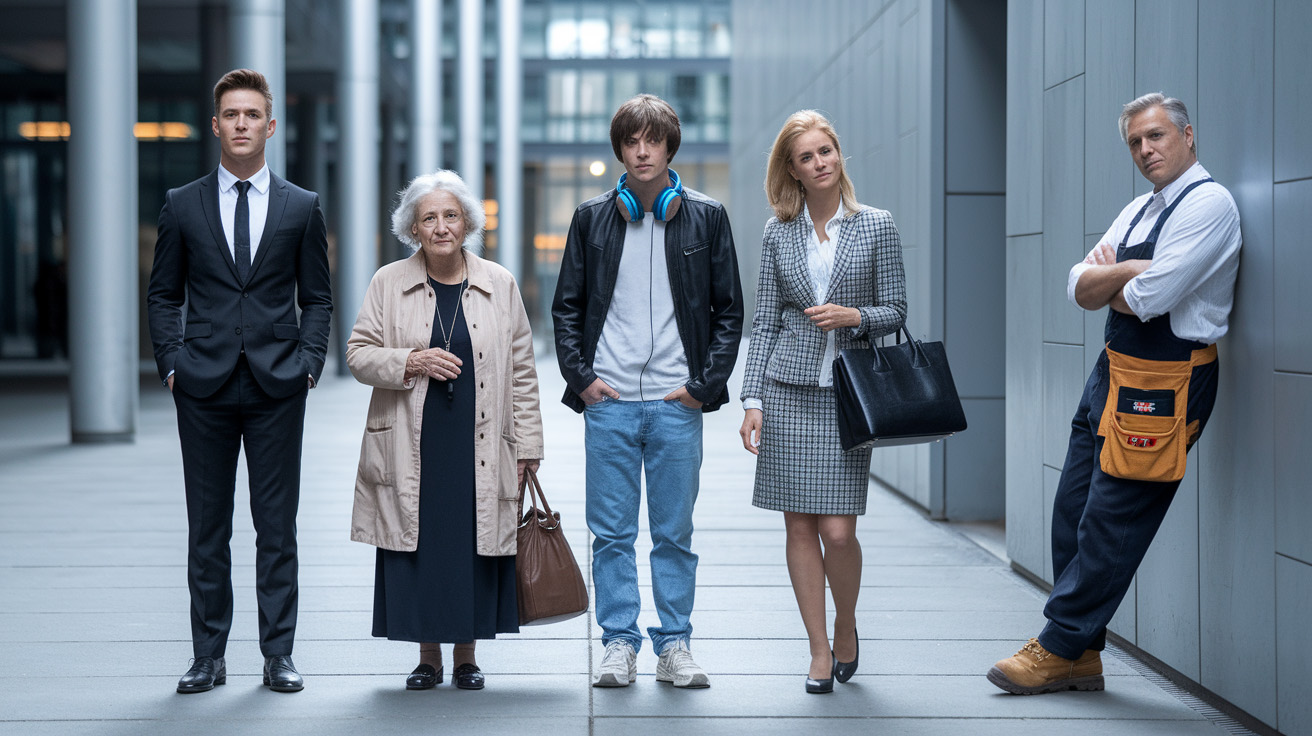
x,y
663,209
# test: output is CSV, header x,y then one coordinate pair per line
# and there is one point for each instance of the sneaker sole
x,y
1092,683
695,683
609,680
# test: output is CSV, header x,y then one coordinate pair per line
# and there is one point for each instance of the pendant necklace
x,y
447,335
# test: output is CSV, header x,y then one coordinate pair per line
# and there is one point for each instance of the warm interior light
x,y
597,168
54,130
491,223
542,241
491,208
44,130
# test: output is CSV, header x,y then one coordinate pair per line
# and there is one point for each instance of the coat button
x,y
480,435
238,330
244,295
480,384
480,355
482,463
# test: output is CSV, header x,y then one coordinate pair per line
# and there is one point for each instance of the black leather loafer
x,y
205,673
425,677
843,671
468,677
819,687
280,674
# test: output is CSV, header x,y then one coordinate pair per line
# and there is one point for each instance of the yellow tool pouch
x,y
1143,424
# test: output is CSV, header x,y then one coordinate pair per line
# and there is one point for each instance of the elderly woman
x,y
443,338
831,278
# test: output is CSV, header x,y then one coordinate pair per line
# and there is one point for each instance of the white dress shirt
x,y
1192,276
257,198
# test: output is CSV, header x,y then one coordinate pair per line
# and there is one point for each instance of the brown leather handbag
x,y
548,580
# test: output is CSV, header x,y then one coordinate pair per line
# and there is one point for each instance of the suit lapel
x,y
795,268
272,219
209,203
842,253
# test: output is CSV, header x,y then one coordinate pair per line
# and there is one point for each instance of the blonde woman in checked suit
x,y
831,278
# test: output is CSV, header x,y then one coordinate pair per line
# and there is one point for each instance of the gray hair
x,y
1175,110
403,217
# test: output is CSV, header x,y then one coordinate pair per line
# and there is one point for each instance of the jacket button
x,y
480,355
238,330
244,295
482,415
476,325
480,384
480,435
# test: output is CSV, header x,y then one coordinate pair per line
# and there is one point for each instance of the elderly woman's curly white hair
x,y
403,217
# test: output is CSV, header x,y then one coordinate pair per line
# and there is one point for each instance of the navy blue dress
x,y
445,592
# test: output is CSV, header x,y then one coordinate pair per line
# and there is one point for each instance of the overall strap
x,y
1134,222
1161,219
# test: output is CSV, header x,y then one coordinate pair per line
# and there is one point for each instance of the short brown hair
x,y
649,113
782,190
244,79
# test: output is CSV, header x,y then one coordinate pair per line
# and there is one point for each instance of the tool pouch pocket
x,y
1143,423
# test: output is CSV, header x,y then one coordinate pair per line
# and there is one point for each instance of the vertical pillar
x,y
510,150
102,233
357,113
426,87
258,40
470,84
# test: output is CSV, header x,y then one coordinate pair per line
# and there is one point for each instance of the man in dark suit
x,y
238,251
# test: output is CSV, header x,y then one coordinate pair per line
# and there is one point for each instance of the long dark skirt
x,y
446,592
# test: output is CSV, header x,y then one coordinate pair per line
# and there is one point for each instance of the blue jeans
x,y
622,438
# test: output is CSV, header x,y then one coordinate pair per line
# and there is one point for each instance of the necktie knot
x,y
242,188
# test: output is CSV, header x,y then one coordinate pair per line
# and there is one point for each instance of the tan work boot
x,y
1035,670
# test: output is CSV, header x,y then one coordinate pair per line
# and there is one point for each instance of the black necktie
x,y
241,232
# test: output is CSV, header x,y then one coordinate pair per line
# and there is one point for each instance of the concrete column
x,y
510,149
426,87
357,108
258,40
104,337
470,84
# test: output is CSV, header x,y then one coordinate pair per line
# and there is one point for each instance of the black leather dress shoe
x,y
468,677
280,674
820,687
843,671
425,677
205,673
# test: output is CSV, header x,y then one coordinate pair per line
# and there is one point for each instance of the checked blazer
x,y
867,275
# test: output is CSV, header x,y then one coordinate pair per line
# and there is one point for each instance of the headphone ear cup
x,y
628,205
667,205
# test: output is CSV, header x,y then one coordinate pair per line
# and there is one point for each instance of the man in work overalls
x,y
1167,269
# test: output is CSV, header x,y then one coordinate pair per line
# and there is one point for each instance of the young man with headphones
x,y
648,318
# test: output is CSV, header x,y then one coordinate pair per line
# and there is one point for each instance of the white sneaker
x,y
676,666
619,666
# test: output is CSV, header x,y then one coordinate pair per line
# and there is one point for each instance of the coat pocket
x,y
286,332
507,486
376,457
197,329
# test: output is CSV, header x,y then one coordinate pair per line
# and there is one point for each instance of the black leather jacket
x,y
708,296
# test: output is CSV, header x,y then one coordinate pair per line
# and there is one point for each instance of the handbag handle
x,y
534,488
918,357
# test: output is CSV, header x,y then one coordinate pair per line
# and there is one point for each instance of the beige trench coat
x,y
396,319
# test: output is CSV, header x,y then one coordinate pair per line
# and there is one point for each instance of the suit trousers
x,y
212,431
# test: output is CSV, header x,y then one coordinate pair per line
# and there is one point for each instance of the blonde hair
x,y
783,191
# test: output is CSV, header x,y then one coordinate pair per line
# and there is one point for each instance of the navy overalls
x,y
1102,525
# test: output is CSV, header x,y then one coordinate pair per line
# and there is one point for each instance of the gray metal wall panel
x,y
1024,116
1063,383
1063,48
1110,174
1168,612
973,292
1236,504
1293,466
1293,89
976,115
1051,476
1095,321
1126,619
1166,49
1063,207
1024,386
1293,264
1293,601
975,466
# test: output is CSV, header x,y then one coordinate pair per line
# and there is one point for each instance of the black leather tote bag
x,y
899,394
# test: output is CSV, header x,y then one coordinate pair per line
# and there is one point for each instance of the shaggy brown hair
x,y
649,113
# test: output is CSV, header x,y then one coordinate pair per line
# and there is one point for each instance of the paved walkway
x,y
94,624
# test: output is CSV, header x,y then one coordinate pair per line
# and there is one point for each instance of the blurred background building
x,y
987,127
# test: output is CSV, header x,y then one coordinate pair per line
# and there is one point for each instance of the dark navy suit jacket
x,y
222,317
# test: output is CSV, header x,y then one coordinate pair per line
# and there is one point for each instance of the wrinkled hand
x,y
751,430
433,362
598,391
830,317
521,464
681,395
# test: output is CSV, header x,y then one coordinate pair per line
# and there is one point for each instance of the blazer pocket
x,y
286,332
197,329
376,457
689,250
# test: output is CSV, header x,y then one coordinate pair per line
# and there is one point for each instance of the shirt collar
x,y
834,221
259,182
478,275
1190,175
